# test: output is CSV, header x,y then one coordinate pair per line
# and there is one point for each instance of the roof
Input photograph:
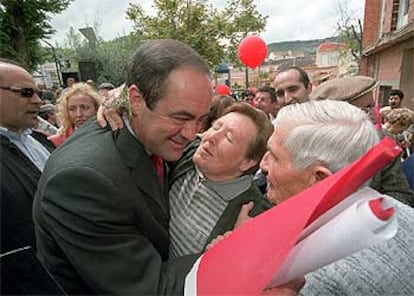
x,y
330,46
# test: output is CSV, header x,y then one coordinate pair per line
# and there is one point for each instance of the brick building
x,y
388,46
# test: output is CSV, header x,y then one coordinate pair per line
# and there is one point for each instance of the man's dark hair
x,y
270,90
154,61
303,76
397,92
44,114
246,93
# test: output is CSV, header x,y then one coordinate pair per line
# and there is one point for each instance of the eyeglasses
x,y
26,92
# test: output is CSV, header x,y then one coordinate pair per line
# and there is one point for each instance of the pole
x,y
247,77
56,61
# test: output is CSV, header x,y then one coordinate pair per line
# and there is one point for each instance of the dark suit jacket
x,y
101,218
18,177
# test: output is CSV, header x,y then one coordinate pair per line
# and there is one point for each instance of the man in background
x,y
21,163
104,88
267,102
395,98
292,86
48,113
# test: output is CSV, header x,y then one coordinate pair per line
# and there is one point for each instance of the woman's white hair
x,y
332,133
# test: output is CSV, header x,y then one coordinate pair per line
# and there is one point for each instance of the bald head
x,y
19,101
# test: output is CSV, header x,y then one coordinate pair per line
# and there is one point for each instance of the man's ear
x,y
136,100
310,87
320,173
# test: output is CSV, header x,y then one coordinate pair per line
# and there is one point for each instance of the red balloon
x,y
222,89
252,51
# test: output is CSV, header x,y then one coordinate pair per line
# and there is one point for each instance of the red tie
x,y
159,167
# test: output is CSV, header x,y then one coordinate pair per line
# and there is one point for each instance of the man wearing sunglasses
x,y
22,159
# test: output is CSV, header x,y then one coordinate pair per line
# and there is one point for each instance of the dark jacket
x,y
101,218
231,212
18,177
392,181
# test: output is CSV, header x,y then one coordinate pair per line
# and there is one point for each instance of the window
x,y
402,13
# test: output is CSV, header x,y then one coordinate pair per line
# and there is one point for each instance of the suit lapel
x,y
143,170
19,165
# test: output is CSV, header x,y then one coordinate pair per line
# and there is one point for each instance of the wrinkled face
x,y
394,101
80,107
221,155
289,88
52,117
17,112
282,179
176,117
264,103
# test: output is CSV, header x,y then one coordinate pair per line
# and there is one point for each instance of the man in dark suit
x,y
101,214
22,159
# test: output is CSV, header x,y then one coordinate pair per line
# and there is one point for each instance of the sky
x,y
288,20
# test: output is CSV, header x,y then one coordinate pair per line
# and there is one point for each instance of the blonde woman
x,y
76,105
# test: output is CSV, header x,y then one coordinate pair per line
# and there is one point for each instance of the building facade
x,y
388,47
329,53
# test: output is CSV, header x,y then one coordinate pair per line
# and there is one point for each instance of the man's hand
x,y
291,288
244,214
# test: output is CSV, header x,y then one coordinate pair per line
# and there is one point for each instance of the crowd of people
x,y
126,202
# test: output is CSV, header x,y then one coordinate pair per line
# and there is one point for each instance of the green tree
x,y
349,29
110,57
214,33
23,24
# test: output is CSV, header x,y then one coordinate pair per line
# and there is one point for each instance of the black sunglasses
x,y
26,92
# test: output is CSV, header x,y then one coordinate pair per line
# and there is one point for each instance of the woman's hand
x,y
217,240
108,113
241,219
244,214
291,288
